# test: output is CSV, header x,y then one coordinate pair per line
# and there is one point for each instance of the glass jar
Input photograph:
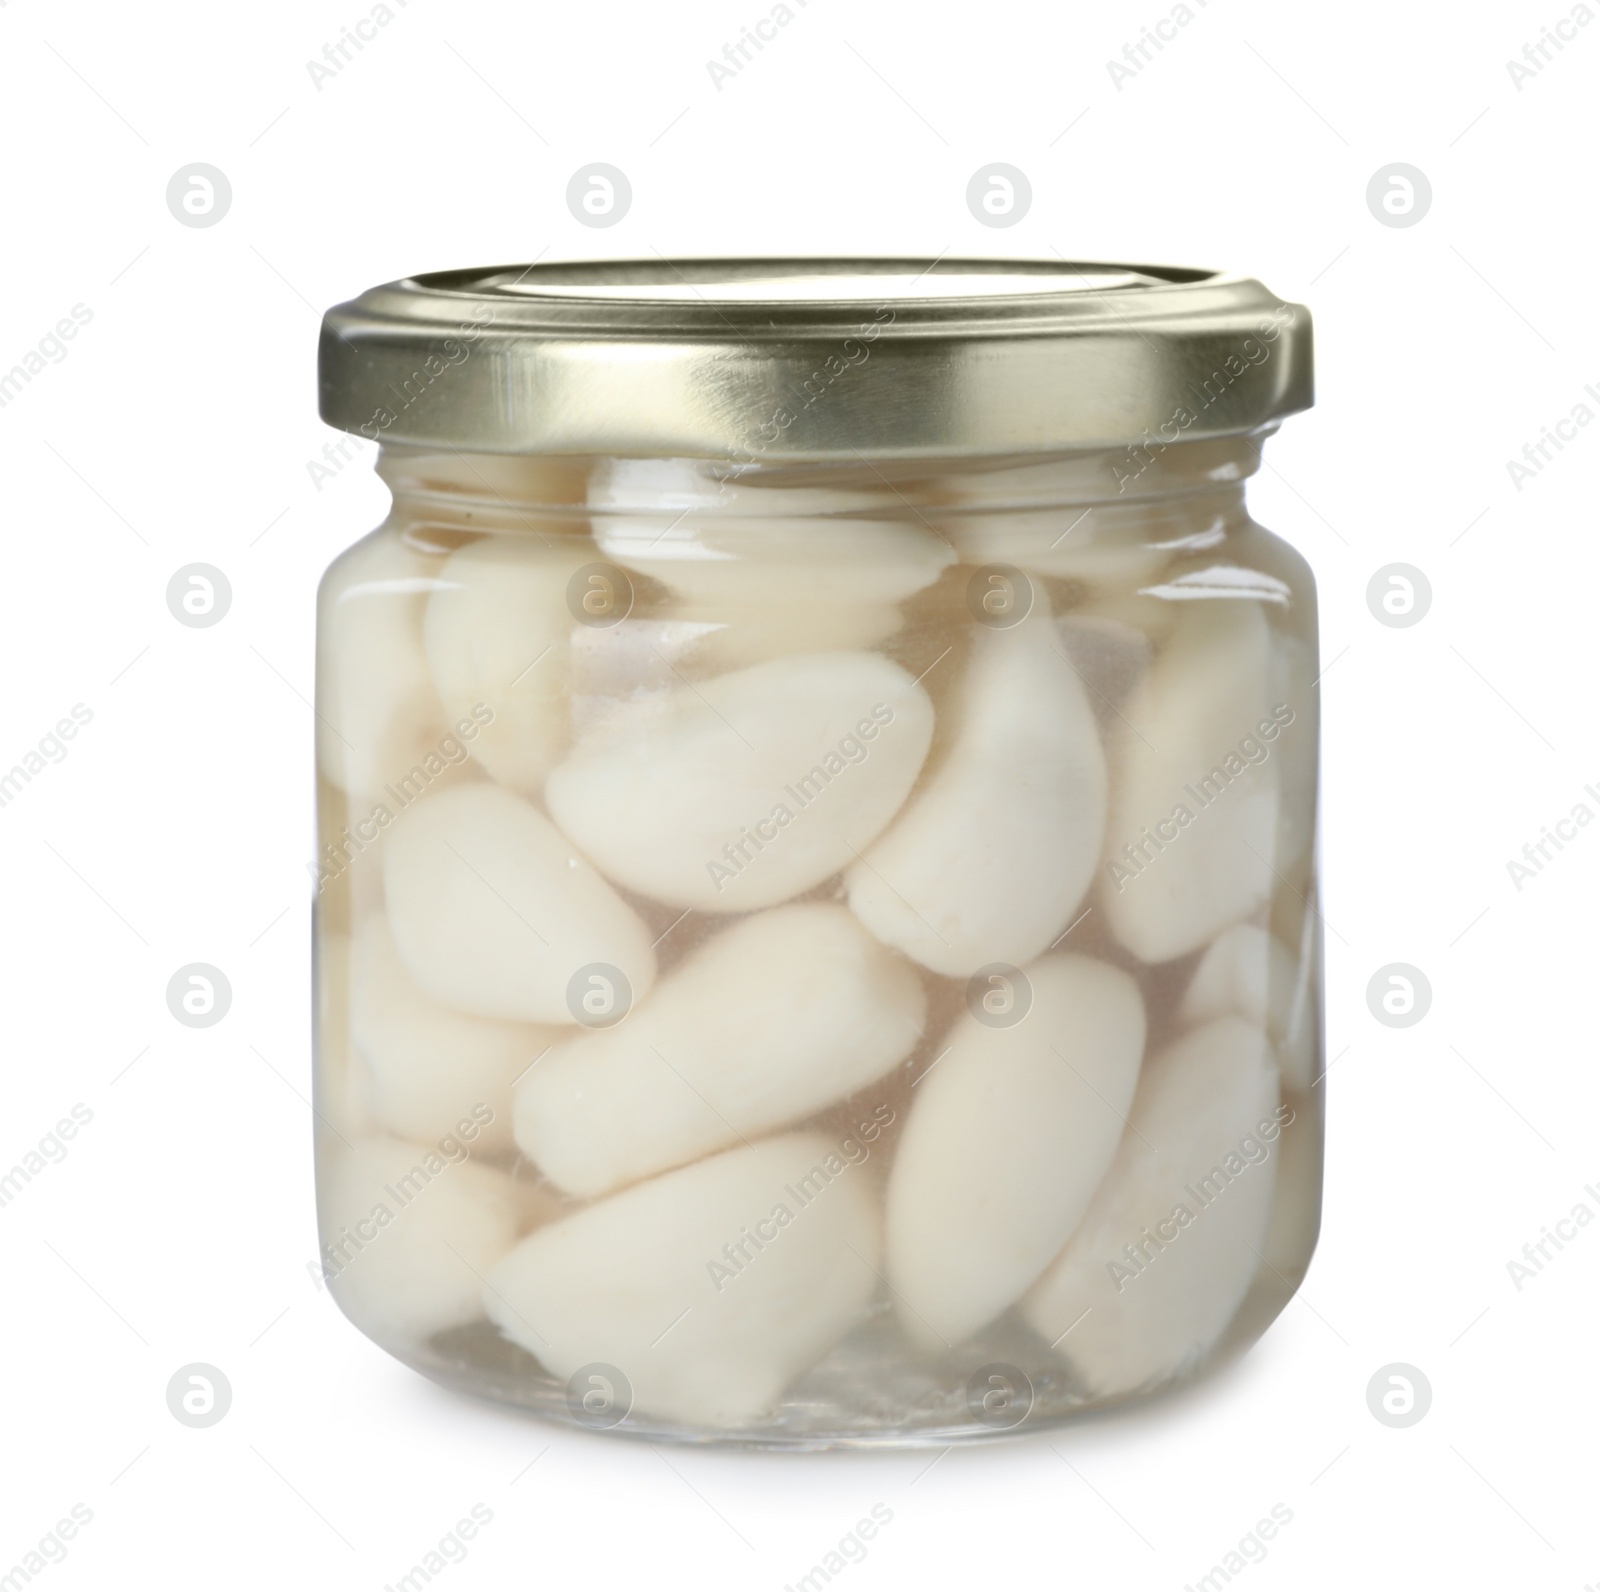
x,y
816,921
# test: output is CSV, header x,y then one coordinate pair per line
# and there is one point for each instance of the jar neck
x,y
464,493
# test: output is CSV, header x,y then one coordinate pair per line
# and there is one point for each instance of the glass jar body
x,y
823,954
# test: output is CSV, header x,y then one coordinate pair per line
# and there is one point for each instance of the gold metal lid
x,y
780,360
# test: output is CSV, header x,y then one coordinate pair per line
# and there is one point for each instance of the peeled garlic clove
x,y
765,571
710,1288
768,1021
749,788
432,1068
1009,1133
1194,788
717,540
496,632
726,563
408,1233
494,913
990,858
1166,1253
378,716
1254,975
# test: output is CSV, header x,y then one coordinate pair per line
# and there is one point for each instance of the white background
x,y
178,827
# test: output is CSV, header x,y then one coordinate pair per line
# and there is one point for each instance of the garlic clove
x,y
494,913
1154,1274
378,715
1252,974
497,630
775,1017
718,540
749,788
709,1288
408,1232
991,857
1194,786
1011,1130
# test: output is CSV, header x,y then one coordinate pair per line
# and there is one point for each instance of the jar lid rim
x,y
812,358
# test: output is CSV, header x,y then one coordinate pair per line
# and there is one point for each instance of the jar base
x,y
866,1394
